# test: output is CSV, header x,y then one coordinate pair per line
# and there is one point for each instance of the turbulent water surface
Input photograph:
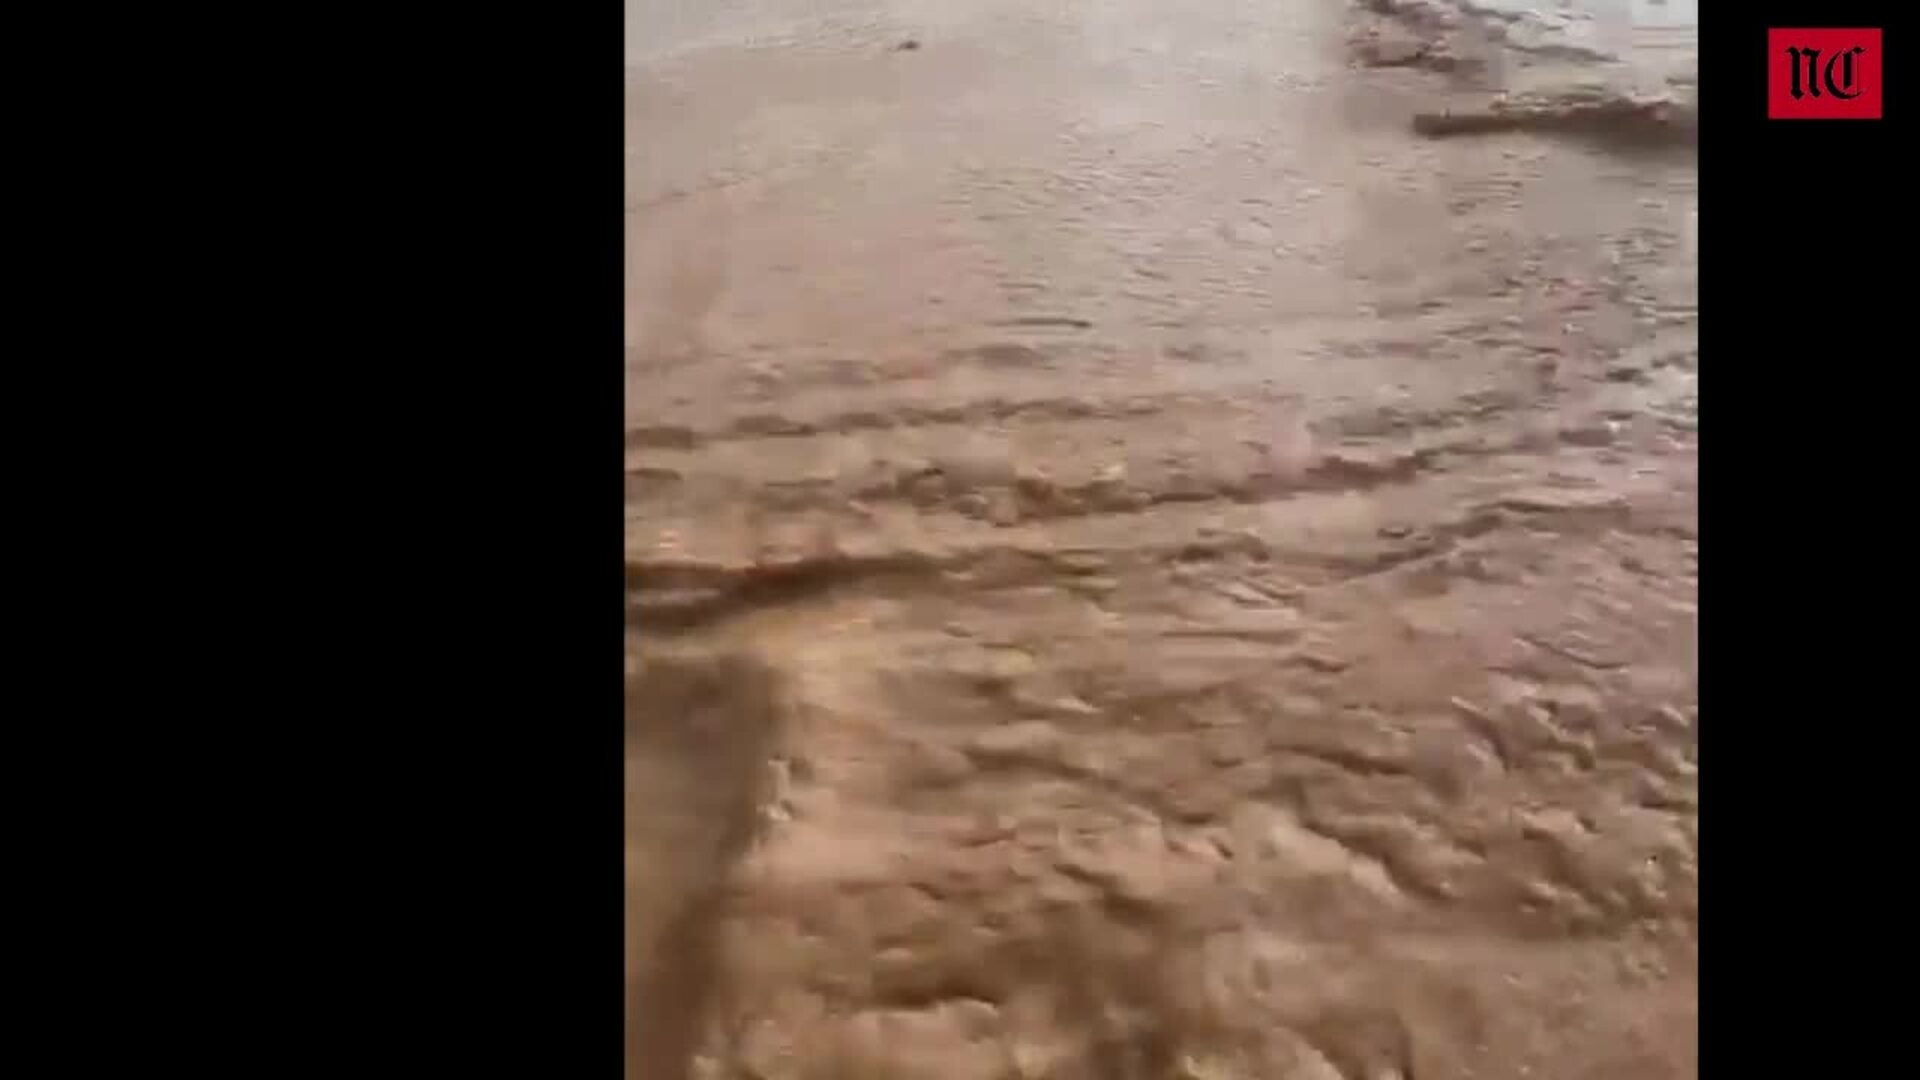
x,y
1147,560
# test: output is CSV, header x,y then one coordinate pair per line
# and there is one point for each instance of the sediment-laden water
x,y
1146,558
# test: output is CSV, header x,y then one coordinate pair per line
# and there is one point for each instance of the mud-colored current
x,y
1161,540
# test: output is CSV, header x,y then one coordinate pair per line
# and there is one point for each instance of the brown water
x,y
1143,566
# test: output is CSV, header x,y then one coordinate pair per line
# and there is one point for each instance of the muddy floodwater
x,y
1161,540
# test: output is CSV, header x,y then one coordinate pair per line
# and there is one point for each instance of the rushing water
x,y
1665,12
1130,530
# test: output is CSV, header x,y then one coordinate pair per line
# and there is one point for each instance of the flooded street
x,y
1161,540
